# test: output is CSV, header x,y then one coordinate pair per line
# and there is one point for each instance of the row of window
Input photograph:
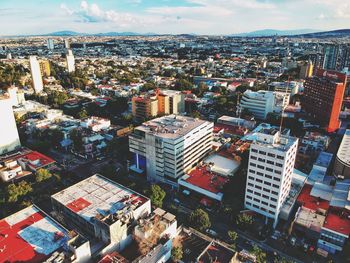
x,y
280,157
261,208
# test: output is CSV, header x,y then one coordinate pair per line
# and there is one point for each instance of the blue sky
x,y
170,16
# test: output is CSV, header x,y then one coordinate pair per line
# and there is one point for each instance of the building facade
x,y
342,161
70,61
323,98
37,80
167,147
270,169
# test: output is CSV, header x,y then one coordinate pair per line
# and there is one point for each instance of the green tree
x,y
76,136
199,219
82,114
183,84
260,254
244,220
42,175
233,237
55,136
16,191
177,253
157,195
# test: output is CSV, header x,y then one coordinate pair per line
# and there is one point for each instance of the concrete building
x,y
262,102
45,68
323,98
70,61
144,107
96,124
167,147
36,74
50,44
342,161
30,235
102,209
270,169
306,70
9,139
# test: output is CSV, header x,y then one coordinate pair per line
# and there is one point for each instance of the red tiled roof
x,y
337,220
206,180
308,201
34,156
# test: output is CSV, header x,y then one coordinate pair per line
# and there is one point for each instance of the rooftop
x,y
324,159
171,126
36,159
308,201
338,221
222,165
30,235
344,148
216,253
203,178
309,219
98,195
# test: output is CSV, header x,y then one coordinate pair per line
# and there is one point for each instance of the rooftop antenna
x,y
285,93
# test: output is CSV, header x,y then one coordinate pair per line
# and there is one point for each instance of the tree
x,y
260,255
244,220
177,253
42,175
183,84
14,191
82,114
56,136
233,237
76,137
157,195
199,219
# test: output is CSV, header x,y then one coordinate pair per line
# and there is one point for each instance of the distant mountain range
x,y
274,32
307,33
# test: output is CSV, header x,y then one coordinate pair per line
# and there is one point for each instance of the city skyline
x,y
171,17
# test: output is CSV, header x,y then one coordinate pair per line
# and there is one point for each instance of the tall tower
x,y
269,177
9,139
331,53
50,44
323,97
36,74
70,61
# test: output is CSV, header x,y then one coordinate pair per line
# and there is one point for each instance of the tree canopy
x,y
157,195
199,219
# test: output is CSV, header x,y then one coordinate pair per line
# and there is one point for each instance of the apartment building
x,y
37,79
342,161
263,102
167,147
270,170
70,61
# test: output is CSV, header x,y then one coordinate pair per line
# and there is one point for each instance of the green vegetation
x,y
157,195
260,254
177,253
16,191
233,237
11,74
199,219
42,175
244,220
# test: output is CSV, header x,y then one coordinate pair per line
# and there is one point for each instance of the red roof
x,y
36,156
78,204
206,180
228,129
308,201
337,220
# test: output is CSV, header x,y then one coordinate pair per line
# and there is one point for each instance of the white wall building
x,y
262,102
9,139
167,147
70,61
50,44
270,170
36,74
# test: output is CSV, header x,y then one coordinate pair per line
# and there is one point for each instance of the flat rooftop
x,y
219,253
171,126
206,180
344,148
98,195
30,236
308,201
338,221
309,219
324,159
222,165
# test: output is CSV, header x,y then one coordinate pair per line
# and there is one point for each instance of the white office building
x,y
9,139
270,170
262,102
167,147
70,61
50,44
37,80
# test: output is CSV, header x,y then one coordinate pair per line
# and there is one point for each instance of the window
x,y
252,171
253,157
269,169
249,197
251,178
274,199
262,152
249,191
250,184
266,190
254,150
264,203
275,193
260,173
268,176
273,206
256,200
261,160
265,196
280,157
271,155
278,172
270,162
267,183
260,167
259,181
256,193
277,179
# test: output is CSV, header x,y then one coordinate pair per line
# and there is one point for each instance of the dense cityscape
x,y
155,148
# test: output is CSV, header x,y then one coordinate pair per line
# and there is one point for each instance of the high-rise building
x,y
262,102
306,70
342,160
9,139
323,97
270,169
45,68
167,147
70,61
66,44
50,44
36,74
331,53
159,102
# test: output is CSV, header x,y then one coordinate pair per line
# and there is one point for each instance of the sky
x,y
214,17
